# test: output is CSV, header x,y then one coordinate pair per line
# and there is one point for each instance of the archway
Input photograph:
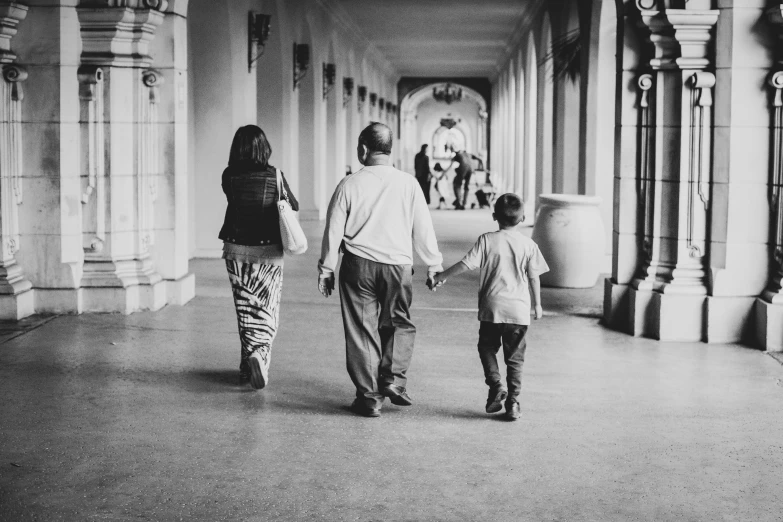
x,y
415,131
446,141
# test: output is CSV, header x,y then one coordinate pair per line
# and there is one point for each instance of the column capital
x,y
158,5
11,14
681,38
118,36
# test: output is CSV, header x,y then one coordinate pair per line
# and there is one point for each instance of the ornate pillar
x,y
119,129
16,296
674,176
769,307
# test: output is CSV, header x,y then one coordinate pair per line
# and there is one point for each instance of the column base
x,y
125,300
17,306
180,291
616,303
730,319
769,325
59,301
666,317
680,317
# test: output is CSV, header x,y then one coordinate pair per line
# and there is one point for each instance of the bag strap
x,y
282,194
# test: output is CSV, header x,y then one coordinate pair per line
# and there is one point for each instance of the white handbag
x,y
294,240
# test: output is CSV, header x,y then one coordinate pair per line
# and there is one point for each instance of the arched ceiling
x,y
439,38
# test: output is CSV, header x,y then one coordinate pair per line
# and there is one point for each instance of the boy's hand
x,y
539,312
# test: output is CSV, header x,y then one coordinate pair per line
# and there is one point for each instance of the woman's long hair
x,y
250,144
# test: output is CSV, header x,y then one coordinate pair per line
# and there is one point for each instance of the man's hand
x,y
539,312
326,284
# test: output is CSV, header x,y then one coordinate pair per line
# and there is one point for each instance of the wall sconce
x,y
301,62
347,91
362,92
257,35
389,106
330,71
373,99
381,104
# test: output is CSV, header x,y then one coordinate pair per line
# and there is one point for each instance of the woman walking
x,y
253,249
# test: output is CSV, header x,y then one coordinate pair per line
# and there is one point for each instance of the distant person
x,y
464,174
253,248
377,216
423,173
510,264
440,179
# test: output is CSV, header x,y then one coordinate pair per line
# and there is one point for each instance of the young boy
x,y
510,265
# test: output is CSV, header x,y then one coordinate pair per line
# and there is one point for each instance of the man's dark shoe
x,y
397,395
497,394
512,410
360,407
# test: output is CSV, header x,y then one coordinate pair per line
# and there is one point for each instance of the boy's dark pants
x,y
379,333
512,338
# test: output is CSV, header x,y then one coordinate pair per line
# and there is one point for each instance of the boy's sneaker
x,y
512,410
497,395
259,373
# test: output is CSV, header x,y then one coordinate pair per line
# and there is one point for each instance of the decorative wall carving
x,y
118,32
646,167
91,95
12,280
700,154
773,291
11,14
674,194
149,157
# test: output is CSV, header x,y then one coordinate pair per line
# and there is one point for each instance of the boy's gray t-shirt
x,y
507,259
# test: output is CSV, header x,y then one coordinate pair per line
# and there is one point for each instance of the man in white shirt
x,y
379,216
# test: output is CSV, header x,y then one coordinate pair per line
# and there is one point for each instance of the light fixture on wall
x,y
381,104
373,99
330,71
257,34
389,107
448,93
301,62
347,90
362,96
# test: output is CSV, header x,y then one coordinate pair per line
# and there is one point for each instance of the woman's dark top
x,y
252,218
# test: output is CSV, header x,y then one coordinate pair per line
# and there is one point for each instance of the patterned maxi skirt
x,y
257,290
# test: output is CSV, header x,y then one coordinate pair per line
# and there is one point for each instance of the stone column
x,y
769,307
669,291
16,295
121,140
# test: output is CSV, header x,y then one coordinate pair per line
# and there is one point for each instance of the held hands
x,y
539,312
326,284
434,280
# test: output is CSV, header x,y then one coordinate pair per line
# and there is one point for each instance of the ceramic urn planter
x,y
570,233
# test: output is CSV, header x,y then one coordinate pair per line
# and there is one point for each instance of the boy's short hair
x,y
508,210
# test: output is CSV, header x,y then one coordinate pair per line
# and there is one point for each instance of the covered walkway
x,y
138,417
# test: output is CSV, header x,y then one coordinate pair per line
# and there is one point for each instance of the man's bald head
x,y
377,137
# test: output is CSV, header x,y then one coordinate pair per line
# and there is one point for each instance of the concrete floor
x,y
110,417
